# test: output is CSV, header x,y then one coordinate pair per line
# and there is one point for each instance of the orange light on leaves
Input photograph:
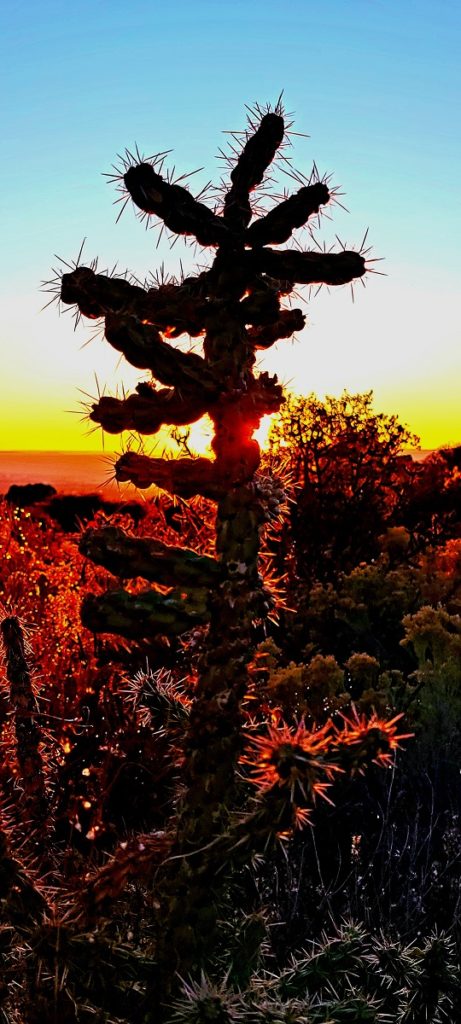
x,y
284,757
305,762
374,739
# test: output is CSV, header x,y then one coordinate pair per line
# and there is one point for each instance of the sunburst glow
x,y
261,435
199,437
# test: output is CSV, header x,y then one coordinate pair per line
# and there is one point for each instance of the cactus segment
x,y
143,347
147,410
172,308
145,614
332,268
187,477
182,477
278,225
175,205
258,153
289,321
127,556
96,294
256,156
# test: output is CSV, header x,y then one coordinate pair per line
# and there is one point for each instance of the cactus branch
x,y
146,613
127,556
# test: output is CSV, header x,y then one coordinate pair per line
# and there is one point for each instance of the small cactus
x,y
25,712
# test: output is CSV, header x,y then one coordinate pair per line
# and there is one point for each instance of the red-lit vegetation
x,y
92,741
161,743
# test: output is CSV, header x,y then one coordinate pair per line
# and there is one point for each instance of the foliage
x,y
388,852
126,736
349,465
77,884
360,493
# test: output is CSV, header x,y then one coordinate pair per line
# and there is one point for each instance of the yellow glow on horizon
x,y
397,340
200,435
34,427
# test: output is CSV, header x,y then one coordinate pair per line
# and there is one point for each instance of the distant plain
x,y
68,472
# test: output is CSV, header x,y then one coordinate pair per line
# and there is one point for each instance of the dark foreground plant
x,y
344,979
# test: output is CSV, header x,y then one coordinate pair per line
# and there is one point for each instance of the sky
x,y
375,84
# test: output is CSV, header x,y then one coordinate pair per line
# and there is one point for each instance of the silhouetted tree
x,y
349,465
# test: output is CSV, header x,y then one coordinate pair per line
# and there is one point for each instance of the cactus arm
x,y
175,205
145,614
144,348
127,556
256,156
181,477
311,267
289,321
278,225
147,411
177,308
96,294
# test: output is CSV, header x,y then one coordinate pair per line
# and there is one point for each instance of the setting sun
x,y
262,433
200,434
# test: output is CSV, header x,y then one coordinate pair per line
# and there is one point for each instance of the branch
x,y
311,267
145,614
187,477
172,308
183,477
97,294
257,153
147,410
128,557
175,205
278,225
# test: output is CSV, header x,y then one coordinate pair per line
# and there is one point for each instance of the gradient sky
x,y
376,86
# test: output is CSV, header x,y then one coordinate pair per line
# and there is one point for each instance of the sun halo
x,y
200,435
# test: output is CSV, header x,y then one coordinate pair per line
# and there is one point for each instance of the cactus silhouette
x,y
236,308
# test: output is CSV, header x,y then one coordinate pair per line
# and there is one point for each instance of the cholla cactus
x,y
22,699
349,977
236,307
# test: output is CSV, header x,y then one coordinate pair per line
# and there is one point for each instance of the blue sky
x,y
376,86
